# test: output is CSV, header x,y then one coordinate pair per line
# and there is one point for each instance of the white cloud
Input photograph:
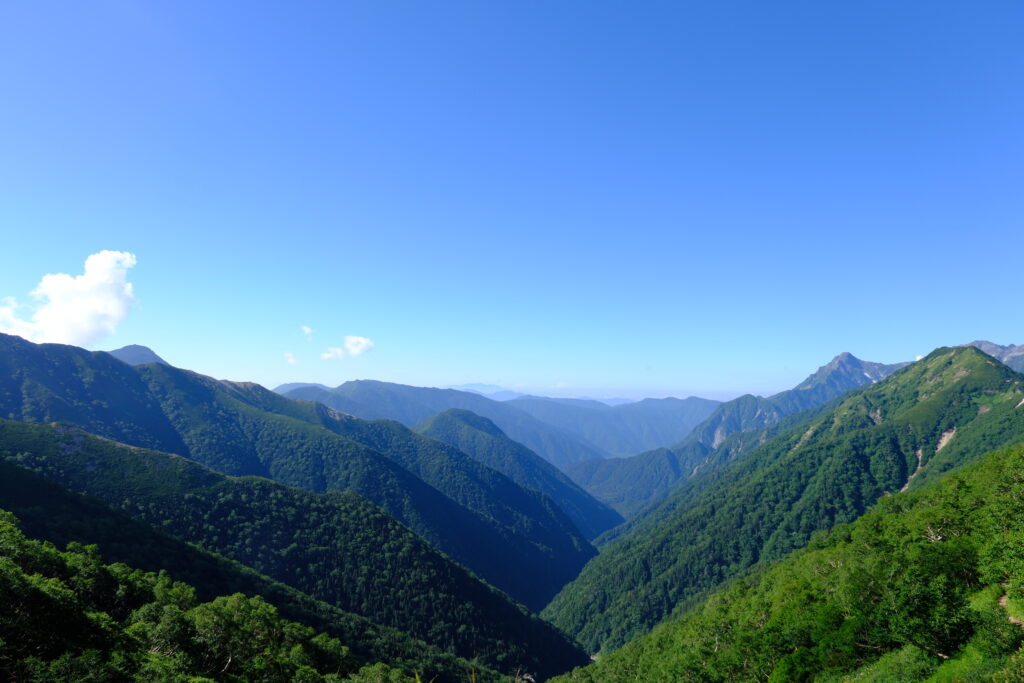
x,y
358,345
78,310
333,352
308,331
290,358
561,385
918,357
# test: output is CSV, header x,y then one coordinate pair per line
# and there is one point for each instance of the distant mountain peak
x,y
1011,354
135,354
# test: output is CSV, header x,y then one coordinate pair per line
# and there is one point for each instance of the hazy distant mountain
x,y
840,375
481,439
902,433
630,484
1011,355
133,354
291,386
625,429
373,400
243,429
476,388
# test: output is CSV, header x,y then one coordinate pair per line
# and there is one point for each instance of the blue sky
x,y
592,198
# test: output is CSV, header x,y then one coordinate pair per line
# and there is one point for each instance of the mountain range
x,y
631,484
861,526
243,429
931,417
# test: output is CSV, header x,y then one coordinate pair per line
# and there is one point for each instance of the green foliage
x,y
49,512
335,547
68,616
481,439
776,496
906,592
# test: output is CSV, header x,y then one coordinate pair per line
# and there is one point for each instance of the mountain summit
x,y
134,354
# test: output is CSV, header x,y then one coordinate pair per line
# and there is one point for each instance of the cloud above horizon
x,y
290,358
333,352
79,310
307,331
358,345
353,346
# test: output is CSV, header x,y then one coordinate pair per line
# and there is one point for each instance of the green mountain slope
x,y
68,616
921,588
372,400
337,547
243,429
49,512
632,484
622,430
628,485
481,439
937,414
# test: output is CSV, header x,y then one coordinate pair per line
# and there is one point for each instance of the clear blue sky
x,y
614,198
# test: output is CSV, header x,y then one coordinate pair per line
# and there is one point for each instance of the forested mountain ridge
x,y
243,429
928,585
933,416
373,400
336,547
481,439
625,429
69,617
49,512
631,484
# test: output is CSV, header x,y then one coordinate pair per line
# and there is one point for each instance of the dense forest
x,y
928,585
68,616
335,547
47,511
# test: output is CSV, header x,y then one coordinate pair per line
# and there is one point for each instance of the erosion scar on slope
x,y
914,474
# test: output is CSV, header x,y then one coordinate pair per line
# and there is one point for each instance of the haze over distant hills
x,y
243,429
630,484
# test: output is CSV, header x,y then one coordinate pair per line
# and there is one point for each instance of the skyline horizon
x,y
488,390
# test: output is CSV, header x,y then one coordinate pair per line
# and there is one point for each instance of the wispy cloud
x,y
334,353
290,358
352,346
358,345
307,331
79,310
